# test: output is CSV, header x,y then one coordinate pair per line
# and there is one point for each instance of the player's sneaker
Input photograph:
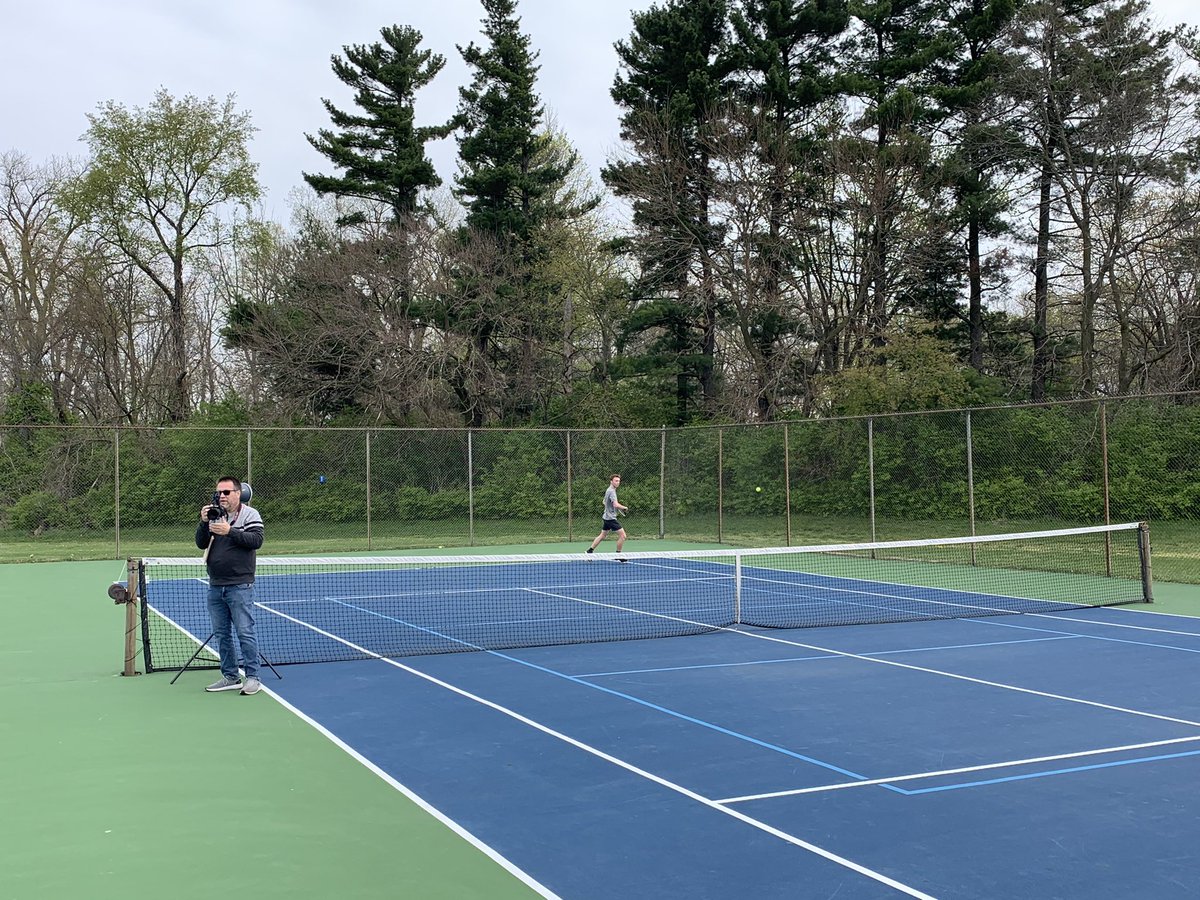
x,y
225,684
252,686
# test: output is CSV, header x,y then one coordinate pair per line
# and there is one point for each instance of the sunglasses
x,y
233,491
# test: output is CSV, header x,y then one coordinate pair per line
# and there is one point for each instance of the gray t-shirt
x,y
610,503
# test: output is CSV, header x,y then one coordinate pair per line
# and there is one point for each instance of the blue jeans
x,y
231,607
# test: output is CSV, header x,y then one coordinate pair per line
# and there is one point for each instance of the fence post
x,y
1104,475
470,489
570,505
871,475
720,483
368,440
787,483
249,458
971,483
662,481
117,489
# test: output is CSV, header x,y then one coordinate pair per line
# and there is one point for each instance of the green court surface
x,y
124,786
116,787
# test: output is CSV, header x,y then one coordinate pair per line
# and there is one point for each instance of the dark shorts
x,y
610,525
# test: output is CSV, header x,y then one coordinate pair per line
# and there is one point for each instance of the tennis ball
x,y
758,490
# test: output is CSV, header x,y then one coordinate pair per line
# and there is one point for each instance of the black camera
x,y
215,511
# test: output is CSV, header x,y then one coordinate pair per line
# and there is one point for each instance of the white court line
x,y
1155,629
620,763
895,663
983,681
980,768
419,801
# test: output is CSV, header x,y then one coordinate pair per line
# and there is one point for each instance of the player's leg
x,y
620,539
241,611
222,626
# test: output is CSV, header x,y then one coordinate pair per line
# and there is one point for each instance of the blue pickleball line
x,y
1066,771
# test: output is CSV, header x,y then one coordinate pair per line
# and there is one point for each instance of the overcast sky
x,y
64,57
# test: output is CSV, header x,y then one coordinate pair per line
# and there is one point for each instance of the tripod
x,y
266,662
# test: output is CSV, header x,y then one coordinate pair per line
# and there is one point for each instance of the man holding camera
x,y
230,533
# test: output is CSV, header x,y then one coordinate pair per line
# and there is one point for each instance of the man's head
x,y
229,492
615,480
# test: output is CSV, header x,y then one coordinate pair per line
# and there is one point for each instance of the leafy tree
x,y
918,372
1111,124
157,185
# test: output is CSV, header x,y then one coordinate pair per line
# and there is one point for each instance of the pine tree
x,y
674,79
505,173
983,141
379,149
785,52
906,258
512,179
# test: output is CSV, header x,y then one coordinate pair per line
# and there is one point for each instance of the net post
x,y
133,596
1144,556
737,589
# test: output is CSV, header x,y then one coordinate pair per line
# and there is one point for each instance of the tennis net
x,y
326,609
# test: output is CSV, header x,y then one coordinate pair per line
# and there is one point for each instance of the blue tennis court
x,y
1031,755
1040,754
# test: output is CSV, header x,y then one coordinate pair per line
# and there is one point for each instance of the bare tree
x,y
37,256
1112,118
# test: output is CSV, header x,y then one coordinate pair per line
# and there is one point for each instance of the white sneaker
x,y
252,686
225,684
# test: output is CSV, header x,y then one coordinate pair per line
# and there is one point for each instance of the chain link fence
x,y
71,492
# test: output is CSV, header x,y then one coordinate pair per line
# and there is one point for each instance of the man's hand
x,y
220,526
204,512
